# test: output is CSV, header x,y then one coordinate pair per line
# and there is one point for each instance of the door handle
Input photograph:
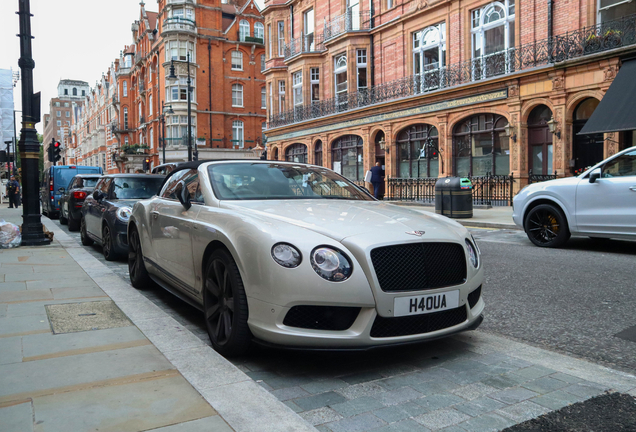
x,y
155,214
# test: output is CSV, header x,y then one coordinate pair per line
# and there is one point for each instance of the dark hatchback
x,y
106,212
73,197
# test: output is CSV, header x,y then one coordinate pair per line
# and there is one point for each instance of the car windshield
x,y
88,182
136,187
262,181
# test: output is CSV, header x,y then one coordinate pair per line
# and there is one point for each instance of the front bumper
x,y
120,238
267,324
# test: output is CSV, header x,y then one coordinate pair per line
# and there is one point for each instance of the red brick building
x,y
443,87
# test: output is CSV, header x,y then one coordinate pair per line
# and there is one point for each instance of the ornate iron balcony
x,y
347,22
569,46
304,44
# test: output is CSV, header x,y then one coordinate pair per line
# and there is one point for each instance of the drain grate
x,y
78,317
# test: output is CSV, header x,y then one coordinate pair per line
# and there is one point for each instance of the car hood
x,y
124,202
342,219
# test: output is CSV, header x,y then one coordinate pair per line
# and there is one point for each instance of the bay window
x,y
281,97
361,67
281,38
297,84
340,73
315,84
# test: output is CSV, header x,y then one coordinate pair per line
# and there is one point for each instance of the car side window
x,y
194,187
104,186
622,166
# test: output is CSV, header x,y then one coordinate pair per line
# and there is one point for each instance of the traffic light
x,y
57,151
147,164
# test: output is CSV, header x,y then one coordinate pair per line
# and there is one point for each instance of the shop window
x,y
419,151
480,146
296,153
346,157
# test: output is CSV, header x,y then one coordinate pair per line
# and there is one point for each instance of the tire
x,y
63,220
86,240
225,306
73,224
108,244
546,226
139,277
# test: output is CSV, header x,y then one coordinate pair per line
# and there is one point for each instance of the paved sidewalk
x,y
71,358
495,217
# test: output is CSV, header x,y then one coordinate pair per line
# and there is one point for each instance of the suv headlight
x,y
330,264
472,253
286,255
123,214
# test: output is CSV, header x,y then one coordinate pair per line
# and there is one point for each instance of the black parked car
x,y
73,197
106,212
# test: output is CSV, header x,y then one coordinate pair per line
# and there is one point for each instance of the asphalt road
x,y
572,300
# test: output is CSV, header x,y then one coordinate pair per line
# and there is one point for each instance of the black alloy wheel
x,y
86,240
136,268
225,306
107,244
546,226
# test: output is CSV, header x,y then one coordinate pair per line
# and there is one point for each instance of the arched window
x,y
237,134
346,157
493,32
237,60
318,153
237,95
429,54
480,146
419,151
259,31
244,30
74,91
540,141
296,153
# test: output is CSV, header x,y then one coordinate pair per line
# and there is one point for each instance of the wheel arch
x,y
546,200
213,246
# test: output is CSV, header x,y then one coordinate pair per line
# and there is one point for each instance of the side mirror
x,y
184,195
61,190
595,175
97,195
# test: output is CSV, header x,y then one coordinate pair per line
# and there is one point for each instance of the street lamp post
x,y
172,76
32,231
163,126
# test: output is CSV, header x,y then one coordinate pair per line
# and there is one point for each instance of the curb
x,y
470,223
243,404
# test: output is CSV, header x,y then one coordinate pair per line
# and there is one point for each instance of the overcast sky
x,y
74,39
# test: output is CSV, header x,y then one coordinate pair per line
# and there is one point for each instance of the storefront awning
x,y
617,110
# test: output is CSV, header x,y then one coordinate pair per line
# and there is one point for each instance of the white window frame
x,y
244,30
263,98
259,31
281,96
281,38
269,40
340,66
262,62
237,95
238,130
150,105
309,28
237,60
125,85
601,9
389,4
361,64
314,80
420,46
480,28
297,86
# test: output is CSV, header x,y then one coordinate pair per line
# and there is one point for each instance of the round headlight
x,y
472,252
286,255
123,214
331,264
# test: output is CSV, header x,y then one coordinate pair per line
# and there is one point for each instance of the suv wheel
x,y
546,226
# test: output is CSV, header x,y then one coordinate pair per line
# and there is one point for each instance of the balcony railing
x,y
569,46
304,44
347,22
179,24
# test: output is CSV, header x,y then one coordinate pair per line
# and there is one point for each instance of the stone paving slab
x,y
123,408
17,418
206,424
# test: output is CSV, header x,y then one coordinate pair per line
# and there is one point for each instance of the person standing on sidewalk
x,y
13,191
377,178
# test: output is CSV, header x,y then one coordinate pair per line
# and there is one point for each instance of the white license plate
x,y
429,303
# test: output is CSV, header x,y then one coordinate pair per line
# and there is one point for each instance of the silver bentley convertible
x,y
296,255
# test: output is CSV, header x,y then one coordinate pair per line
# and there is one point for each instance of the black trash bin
x,y
453,197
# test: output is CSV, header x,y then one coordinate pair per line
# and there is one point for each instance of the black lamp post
x,y
163,126
32,231
172,76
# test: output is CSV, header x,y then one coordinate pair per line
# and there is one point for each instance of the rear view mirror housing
x,y
595,175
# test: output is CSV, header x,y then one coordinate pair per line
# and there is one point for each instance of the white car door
x,y
608,206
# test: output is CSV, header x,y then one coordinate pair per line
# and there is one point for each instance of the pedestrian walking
x,y
377,178
13,191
